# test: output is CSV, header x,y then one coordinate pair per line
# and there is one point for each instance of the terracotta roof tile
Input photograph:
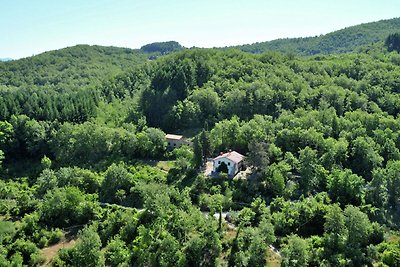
x,y
233,156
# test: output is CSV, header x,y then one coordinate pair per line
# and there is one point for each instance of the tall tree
x,y
198,152
335,235
295,253
392,42
87,250
205,144
258,155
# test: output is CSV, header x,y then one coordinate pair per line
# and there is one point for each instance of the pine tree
x,y
392,42
198,152
205,144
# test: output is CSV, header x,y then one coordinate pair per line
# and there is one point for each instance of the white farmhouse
x,y
231,161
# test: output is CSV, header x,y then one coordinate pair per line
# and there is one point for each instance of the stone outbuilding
x,y
175,141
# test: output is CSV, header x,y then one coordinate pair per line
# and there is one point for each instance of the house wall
x,y
174,143
232,166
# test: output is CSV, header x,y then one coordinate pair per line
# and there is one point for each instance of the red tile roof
x,y
233,156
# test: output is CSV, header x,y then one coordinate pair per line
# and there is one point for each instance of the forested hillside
x,y
60,85
69,68
85,162
342,41
162,47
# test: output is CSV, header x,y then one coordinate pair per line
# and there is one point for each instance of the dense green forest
x,y
346,40
60,85
85,165
162,47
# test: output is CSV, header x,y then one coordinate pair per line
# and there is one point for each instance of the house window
x,y
174,144
169,143
219,162
229,164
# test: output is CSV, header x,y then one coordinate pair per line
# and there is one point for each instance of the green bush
x,y
43,241
55,236
37,259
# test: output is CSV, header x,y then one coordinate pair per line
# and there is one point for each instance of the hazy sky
x,y
30,27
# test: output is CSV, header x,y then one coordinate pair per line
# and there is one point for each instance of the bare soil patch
x,y
69,241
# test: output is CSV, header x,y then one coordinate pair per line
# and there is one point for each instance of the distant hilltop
x,y
162,47
342,41
351,39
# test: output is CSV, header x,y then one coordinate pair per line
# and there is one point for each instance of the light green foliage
x,y
1,157
87,250
89,142
335,236
359,229
7,230
322,131
277,183
184,157
116,178
312,174
16,198
393,179
27,250
365,156
117,253
6,132
305,217
86,180
358,225
118,221
295,253
68,206
390,253
45,162
46,181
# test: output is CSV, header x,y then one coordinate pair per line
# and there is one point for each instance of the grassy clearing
x,y
165,165
273,260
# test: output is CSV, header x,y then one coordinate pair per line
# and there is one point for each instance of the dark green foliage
x,y
61,85
85,180
162,47
117,252
346,40
85,253
69,68
68,206
345,187
89,142
46,103
258,156
295,253
392,42
117,179
322,133
223,168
